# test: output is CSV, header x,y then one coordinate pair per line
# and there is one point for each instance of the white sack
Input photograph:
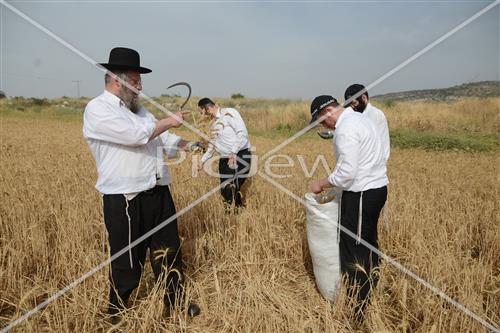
x,y
323,244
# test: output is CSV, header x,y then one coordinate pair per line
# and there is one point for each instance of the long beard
x,y
360,107
130,100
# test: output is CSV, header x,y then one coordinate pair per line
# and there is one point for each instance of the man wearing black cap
x,y
128,144
362,104
361,173
232,143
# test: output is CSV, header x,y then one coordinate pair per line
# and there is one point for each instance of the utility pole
x,y
77,87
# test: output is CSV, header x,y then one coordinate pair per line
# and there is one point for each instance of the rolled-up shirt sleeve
x,y
209,153
103,123
347,146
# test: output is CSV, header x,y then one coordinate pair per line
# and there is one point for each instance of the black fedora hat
x,y
125,59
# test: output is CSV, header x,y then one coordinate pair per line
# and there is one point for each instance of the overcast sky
x,y
272,50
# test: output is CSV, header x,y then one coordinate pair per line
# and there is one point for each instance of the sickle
x,y
186,85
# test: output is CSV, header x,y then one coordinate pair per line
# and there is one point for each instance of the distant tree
x,y
237,96
39,101
2,94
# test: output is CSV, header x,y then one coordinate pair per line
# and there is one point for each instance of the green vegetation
x,y
389,103
61,109
466,90
237,96
407,138
467,125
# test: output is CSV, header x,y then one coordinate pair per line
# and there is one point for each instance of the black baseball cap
x,y
319,103
352,90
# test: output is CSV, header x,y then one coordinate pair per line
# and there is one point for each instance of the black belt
x,y
244,150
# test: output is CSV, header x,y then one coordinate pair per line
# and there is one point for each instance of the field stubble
x,y
250,272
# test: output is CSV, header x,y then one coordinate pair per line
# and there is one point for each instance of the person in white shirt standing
x,y
361,173
232,144
362,104
128,146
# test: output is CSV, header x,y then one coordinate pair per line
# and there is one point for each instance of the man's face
x,y
208,110
359,104
127,95
329,116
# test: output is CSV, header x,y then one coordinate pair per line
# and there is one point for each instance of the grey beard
x,y
135,105
131,102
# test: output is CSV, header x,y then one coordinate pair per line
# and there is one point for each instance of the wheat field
x,y
250,272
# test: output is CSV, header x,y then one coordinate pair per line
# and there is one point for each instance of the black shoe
x,y
193,310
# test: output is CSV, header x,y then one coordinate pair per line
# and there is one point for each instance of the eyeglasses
x,y
134,82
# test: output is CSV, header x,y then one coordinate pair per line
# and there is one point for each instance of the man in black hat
x,y
362,104
361,173
128,145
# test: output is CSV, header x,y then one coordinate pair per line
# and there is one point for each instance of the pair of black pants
x,y
147,210
352,254
231,191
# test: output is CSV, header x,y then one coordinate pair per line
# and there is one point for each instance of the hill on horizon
x,y
466,90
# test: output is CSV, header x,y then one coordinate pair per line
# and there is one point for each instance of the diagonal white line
x,y
97,268
202,134
93,62
104,70
389,73
133,244
389,259
371,85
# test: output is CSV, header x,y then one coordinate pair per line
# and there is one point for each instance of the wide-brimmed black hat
x,y
352,90
125,59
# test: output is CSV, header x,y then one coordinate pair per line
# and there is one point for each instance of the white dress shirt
x,y
378,118
361,163
127,162
231,134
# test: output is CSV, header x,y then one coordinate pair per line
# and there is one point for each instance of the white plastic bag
x,y
323,244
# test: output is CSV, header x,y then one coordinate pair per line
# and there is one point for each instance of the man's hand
x,y
197,146
164,124
232,161
316,187
320,185
199,167
177,119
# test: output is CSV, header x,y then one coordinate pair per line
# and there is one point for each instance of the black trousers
x,y
147,210
357,262
231,192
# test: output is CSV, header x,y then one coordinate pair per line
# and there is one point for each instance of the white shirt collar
x,y
342,116
113,98
218,114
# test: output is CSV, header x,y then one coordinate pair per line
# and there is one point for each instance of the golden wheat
x,y
470,115
250,272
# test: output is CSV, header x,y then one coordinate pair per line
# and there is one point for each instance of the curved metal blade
x,y
189,91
